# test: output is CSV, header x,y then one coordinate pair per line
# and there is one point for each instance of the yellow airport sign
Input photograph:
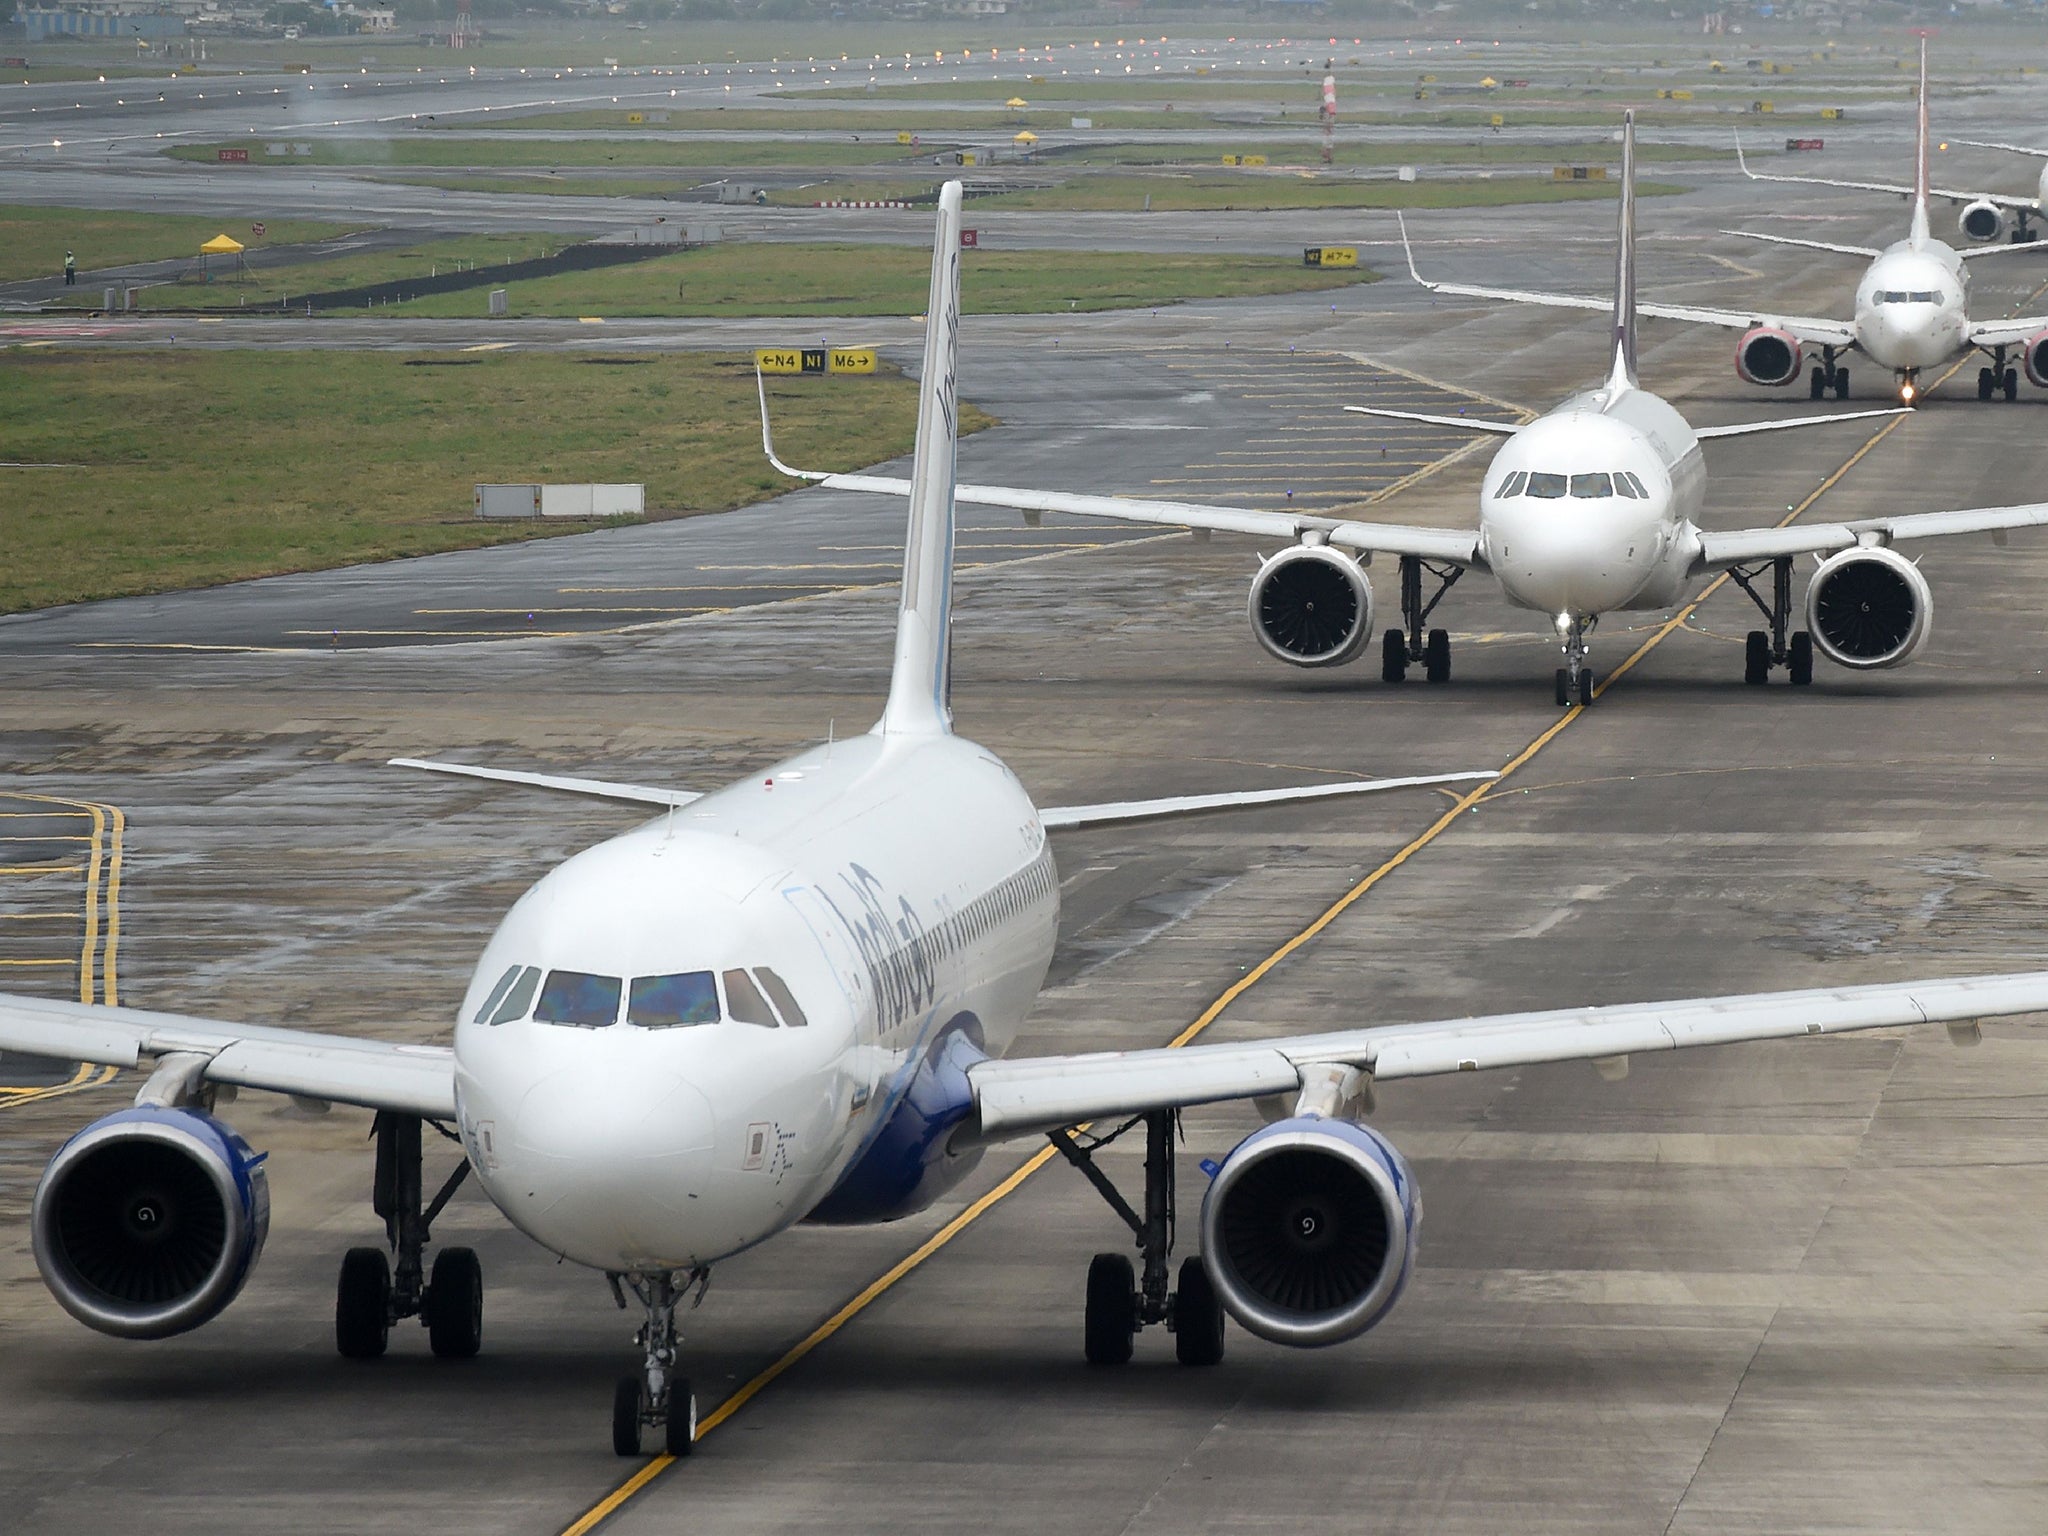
x,y
1761,106
1498,121
902,138
1251,159
1681,95
1329,256
852,360
636,117
1832,114
800,360
1578,173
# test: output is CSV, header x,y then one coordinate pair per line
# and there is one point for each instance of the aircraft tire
x,y
2012,384
1564,688
1111,1321
1585,685
1197,1316
1817,384
1756,659
1393,656
1985,383
455,1304
626,1416
362,1304
1436,656
1841,383
1800,660
679,1434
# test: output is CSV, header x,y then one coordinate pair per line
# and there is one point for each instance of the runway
x,y
1754,1289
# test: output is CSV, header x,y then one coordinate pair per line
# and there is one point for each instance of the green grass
x,y
868,125
33,240
1224,190
194,468
736,280
444,150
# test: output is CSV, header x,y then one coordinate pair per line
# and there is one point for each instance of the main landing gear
x,y
372,1296
1827,375
1574,678
1122,1301
657,1398
1763,650
1998,379
1401,647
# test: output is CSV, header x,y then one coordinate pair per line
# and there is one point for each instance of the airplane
x,y
788,1000
1589,509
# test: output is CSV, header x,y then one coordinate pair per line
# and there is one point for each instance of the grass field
x,y
186,469
33,240
850,280
814,119
1223,190
430,149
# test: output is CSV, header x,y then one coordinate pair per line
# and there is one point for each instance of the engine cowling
x,y
1309,1230
1311,606
1767,355
2035,356
1869,608
147,1223
1981,221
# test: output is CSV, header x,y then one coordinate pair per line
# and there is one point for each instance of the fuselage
x,y
1590,508
758,1008
1912,306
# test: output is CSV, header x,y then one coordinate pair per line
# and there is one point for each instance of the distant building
x,y
149,22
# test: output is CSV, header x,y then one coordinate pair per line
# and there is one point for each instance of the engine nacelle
x,y
1309,1230
1981,221
2035,355
1869,608
1767,355
146,1223
1311,606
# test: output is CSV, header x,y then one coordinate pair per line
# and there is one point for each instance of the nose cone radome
x,y
1573,556
613,1170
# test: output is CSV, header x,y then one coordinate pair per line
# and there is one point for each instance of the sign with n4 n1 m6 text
x,y
815,360
1329,256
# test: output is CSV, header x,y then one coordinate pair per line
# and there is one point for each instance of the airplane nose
x,y
610,1168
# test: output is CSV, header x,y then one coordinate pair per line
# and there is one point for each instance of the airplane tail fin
x,y
1622,377
1919,232
920,682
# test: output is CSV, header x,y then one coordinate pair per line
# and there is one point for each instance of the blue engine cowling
x,y
1309,1230
146,1223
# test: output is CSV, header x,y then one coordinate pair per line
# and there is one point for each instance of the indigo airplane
x,y
788,1000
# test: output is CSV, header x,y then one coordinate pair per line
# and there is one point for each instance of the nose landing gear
x,y
1574,678
657,1397
1909,385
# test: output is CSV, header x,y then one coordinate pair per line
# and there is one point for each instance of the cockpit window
x,y
743,1000
664,1002
1633,483
575,997
785,1000
1623,485
1904,296
1588,487
512,996
1549,487
1512,486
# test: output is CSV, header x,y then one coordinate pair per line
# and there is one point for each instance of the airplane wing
x,y
1808,245
1896,189
2008,333
1057,818
1452,546
595,789
1820,332
2015,149
376,1074
1746,546
1028,1095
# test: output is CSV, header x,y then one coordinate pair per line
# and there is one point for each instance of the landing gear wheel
x,y
1564,688
455,1304
1799,658
1816,383
362,1304
626,1416
1197,1316
1393,656
1436,656
1841,383
1986,383
2012,384
1586,686
679,1434
1756,659
1112,1315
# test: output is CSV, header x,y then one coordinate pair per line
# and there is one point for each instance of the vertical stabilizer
x,y
1918,234
1622,376
920,683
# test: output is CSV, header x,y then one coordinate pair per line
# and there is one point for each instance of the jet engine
x,y
1309,1229
1981,221
1311,606
146,1223
1869,608
2035,353
1767,355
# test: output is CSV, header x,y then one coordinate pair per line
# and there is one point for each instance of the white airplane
x,y
1590,509
788,1001
1984,217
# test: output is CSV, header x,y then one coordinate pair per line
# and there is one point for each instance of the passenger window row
x,y
586,1001
1034,882
1588,487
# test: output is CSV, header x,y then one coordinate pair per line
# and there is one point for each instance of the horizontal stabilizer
x,y
594,789
1786,423
1060,817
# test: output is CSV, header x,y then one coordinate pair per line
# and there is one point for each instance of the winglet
x,y
1918,233
1743,160
920,681
768,440
1622,378
1409,251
